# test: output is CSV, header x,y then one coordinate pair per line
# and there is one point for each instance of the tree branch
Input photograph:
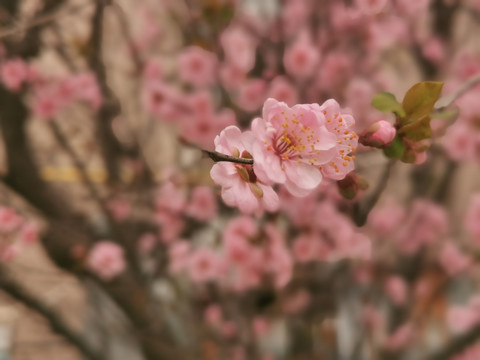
x,y
458,344
58,325
446,101
43,20
217,157
361,212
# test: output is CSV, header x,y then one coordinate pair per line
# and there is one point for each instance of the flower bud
x,y
350,186
379,134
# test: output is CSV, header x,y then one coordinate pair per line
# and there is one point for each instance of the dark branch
x,y
58,325
217,157
361,212
457,345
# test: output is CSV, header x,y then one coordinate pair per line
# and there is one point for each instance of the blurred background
x,y
114,241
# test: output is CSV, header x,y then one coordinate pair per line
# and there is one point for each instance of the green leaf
x,y
419,100
386,102
395,149
418,130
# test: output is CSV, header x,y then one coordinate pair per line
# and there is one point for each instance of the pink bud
x,y
379,134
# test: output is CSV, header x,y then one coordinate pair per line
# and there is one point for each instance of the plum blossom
x,y
204,265
379,134
251,94
340,124
203,204
239,48
453,260
291,144
240,186
301,58
295,146
397,290
9,219
106,259
197,66
14,73
282,90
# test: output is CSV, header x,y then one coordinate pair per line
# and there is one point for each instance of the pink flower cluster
x,y
107,260
295,147
16,233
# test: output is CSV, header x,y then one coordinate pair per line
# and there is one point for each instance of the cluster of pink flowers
x,y
50,94
16,233
106,259
295,147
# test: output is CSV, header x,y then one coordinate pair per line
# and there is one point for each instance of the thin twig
x,y
217,157
446,101
361,212
42,20
58,325
64,143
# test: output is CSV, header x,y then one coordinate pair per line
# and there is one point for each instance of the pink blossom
x,y
240,228
460,142
213,315
340,124
372,317
9,252
301,58
396,288
434,50
371,7
162,101
412,8
152,70
45,106
203,204
291,144
231,77
146,243
170,197
203,265
106,259
305,248
239,183
14,73
335,71
462,318
357,247
282,90
452,260
297,302
178,256
239,48
119,208
473,351
251,94
385,219
9,219
197,66
29,233
400,338
229,330
344,17
294,14
280,264
260,326
427,222
379,134
171,225
87,89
